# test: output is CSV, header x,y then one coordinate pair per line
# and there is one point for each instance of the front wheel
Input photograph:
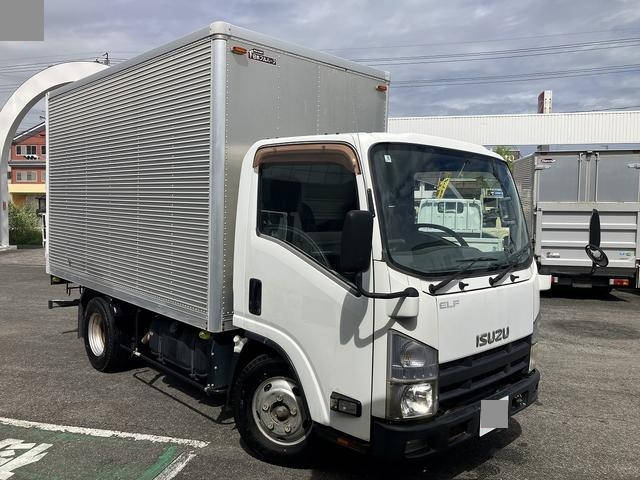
x,y
270,411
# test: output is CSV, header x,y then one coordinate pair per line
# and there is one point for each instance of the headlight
x,y
417,400
411,379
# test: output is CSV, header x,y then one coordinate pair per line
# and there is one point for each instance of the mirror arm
x,y
407,292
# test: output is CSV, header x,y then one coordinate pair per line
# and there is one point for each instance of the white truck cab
x,y
324,220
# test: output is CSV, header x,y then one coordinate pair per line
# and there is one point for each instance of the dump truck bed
x,y
559,192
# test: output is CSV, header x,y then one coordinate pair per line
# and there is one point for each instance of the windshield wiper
x,y
433,289
512,263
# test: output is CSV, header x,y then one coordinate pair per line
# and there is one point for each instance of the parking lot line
x,y
176,466
96,432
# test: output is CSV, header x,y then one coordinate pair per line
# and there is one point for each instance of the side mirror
x,y
355,249
355,254
593,250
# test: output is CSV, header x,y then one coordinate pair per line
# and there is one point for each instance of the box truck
x,y
220,229
583,212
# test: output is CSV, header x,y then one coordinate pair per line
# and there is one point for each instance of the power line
x,y
28,67
610,108
493,77
34,67
490,40
501,54
521,77
512,50
65,55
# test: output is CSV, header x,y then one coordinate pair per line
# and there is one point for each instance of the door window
x,y
304,201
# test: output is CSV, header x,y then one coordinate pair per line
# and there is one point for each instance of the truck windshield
x,y
442,208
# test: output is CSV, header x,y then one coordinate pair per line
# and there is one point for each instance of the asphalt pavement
x,y
138,424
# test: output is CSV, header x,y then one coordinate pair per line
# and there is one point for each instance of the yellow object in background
x,y
442,187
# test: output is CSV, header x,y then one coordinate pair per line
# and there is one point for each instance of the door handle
x,y
255,296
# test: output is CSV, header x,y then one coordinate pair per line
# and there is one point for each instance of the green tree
x,y
24,226
506,152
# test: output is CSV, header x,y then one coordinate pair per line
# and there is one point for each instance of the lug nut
x,y
270,426
265,407
287,428
293,411
279,398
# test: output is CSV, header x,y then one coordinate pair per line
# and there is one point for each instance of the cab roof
x,y
366,140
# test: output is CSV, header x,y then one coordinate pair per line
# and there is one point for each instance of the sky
x,y
445,68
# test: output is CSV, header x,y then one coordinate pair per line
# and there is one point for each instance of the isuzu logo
x,y
490,337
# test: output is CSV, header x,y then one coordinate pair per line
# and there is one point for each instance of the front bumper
x,y
411,440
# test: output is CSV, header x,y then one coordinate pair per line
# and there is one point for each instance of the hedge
x,y
24,226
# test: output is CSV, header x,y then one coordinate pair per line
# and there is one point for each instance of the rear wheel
x,y
102,337
270,411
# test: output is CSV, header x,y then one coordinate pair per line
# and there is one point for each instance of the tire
x,y
267,401
102,337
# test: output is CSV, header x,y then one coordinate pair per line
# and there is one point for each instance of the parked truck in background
x,y
220,229
571,197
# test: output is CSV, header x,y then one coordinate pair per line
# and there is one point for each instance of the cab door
x,y
300,195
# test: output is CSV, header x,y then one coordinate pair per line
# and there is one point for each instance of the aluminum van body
x,y
144,160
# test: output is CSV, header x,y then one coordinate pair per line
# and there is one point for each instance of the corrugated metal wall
x,y
523,174
534,129
129,181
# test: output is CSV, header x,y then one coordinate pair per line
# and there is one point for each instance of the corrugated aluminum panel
x,y
523,174
528,129
129,178
298,95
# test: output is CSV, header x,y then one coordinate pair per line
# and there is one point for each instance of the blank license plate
x,y
494,414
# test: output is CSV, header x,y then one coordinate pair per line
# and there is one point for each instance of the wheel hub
x,y
276,411
97,334
281,412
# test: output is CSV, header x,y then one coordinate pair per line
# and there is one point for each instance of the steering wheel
x,y
453,233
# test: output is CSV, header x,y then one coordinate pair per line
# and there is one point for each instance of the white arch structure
x,y
14,110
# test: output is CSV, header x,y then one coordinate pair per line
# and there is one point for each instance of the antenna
x,y
104,60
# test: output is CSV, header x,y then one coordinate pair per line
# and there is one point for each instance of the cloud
x,y
84,29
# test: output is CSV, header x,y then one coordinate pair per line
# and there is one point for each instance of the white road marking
x,y
33,454
96,432
176,466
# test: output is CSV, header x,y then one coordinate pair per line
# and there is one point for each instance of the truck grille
x,y
473,378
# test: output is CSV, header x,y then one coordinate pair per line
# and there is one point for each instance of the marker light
x,y
239,50
533,354
382,88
